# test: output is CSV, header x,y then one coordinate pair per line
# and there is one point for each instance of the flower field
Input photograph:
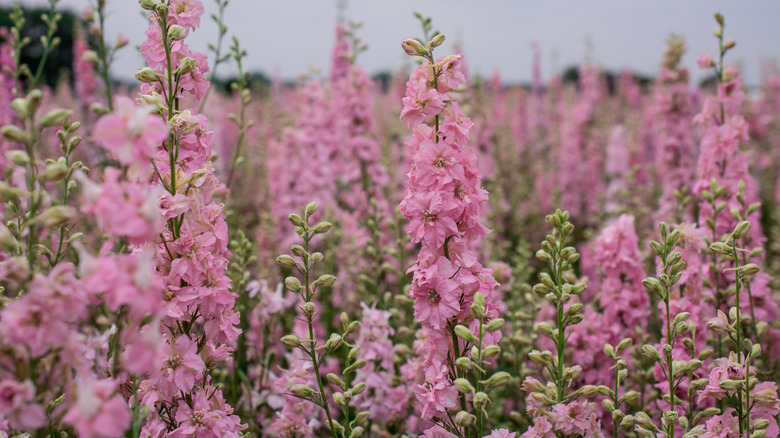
x,y
435,255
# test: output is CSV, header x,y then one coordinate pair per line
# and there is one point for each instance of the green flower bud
x,y
293,284
286,261
464,419
147,75
325,280
494,325
147,4
335,380
322,227
14,134
357,389
464,333
296,220
20,158
311,207
176,32
651,352
301,391
463,386
498,379
55,117
291,341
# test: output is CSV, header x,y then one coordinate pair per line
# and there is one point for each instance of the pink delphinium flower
x,y
132,133
18,406
576,418
98,413
541,429
182,363
438,297
432,217
437,394
501,433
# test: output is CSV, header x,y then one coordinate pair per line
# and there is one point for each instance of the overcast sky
x,y
289,36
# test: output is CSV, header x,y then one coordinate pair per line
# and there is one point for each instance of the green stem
x,y
104,61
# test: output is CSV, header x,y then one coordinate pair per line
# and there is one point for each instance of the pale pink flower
x,y
501,433
96,413
18,407
132,133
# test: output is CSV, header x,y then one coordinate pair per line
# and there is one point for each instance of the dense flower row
x,y
139,298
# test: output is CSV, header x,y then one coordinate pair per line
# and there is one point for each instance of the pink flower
x,y
209,417
420,102
726,369
575,418
18,407
186,13
725,425
132,133
541,429
432,217
121,207
705,60
96,414
437,294
437,432
501,433
437,394
182,364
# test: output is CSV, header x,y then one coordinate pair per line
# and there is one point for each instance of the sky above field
x,y
290,36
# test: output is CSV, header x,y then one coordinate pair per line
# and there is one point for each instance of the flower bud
x,y
176,32
296,220
494,325
309,309
750,269
730,385
301,391
187,65
357,389
54,172
325,280
335,380
57,216
14,134
291,341
34,100
293,284
651,352
671,417
464,419
480,400
311,207
625,343
334,342
531,384
286,261
491,351
631,396
413,48
147,75
147,4
55,117
464,363
437,40
463,386
20,158
360,418
322,227
498,379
